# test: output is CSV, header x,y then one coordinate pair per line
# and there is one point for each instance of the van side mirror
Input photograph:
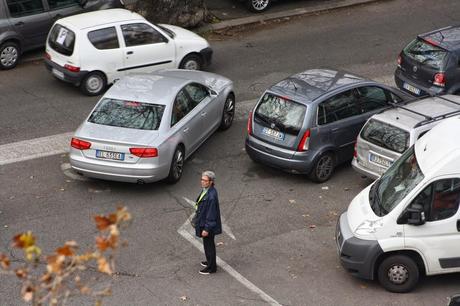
x,y
413,215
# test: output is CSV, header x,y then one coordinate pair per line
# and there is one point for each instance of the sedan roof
x,y
313,83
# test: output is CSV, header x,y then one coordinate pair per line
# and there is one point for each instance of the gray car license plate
x,y
272,133
381,161
110,155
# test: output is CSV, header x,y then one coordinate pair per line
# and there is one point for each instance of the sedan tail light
x,y
144,152
72,68
249,127
80,144
355,152
304,142
439,79
47,56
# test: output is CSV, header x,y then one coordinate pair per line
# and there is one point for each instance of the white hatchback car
x,y
94,49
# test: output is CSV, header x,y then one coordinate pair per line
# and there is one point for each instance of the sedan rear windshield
x,y
62,40
386,136
127,114
280,113
426,53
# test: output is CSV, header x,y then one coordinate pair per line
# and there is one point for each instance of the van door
x,y
145,49
341,119
30,20
438,240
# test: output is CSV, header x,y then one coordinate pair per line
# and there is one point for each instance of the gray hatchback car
x,y
308,122
24,24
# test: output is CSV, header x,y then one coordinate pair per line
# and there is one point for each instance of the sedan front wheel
x,y
229,112
258,6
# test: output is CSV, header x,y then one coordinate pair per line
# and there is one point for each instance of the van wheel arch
x,y
410,253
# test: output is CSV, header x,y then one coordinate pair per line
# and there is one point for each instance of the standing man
x,y
208,223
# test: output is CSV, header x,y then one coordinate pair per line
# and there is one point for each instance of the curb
x,y
259,18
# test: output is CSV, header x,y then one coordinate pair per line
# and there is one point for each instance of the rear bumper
x,y
300,162
96,169
63,74
400,79
364,171
206,55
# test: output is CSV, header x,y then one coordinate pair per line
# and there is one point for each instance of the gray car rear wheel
x,y
9,55
93,84
177,166
229,112
323,168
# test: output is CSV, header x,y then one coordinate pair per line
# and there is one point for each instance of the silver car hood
x,y
113,134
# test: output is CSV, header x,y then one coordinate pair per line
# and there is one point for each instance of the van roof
x,y
96,18
417,112
438,151
308,85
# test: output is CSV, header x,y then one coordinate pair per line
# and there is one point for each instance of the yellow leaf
x,y
24,240
104,266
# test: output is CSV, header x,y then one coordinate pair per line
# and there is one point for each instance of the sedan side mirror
x,y
212,92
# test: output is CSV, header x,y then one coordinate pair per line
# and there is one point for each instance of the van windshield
x,y
400,179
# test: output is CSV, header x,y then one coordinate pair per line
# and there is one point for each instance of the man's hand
x,y
204,233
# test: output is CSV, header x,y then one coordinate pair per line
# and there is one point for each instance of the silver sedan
x,y
146,126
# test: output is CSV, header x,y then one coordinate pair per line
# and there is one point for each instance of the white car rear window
x,y
386,136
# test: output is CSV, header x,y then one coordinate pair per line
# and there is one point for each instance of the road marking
x,y
225,227
187,232
59,144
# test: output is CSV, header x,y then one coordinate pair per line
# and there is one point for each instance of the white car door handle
x,y
186,130
130,52
203,114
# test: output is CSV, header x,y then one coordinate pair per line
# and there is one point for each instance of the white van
x,y
407,222
94,49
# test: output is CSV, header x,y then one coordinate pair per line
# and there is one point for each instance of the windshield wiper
x,y
262,118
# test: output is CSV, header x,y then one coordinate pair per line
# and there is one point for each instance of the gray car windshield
x,y
280,113
400,179
127,114
426,53
386,136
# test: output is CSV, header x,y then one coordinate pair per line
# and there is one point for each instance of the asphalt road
x,y
283,224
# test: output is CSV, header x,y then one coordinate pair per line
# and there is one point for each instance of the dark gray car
x,y
308,123
24,24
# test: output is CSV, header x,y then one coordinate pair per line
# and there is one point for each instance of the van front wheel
x,y
93,84
398,273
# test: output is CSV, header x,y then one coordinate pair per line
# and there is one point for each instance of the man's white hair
x,y
210,175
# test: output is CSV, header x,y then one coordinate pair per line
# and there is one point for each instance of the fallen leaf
x,y
325,188
363,286
5,226
62,189
291,201
312,226
346,188
306,215
104,266
219,243
183,298
31,177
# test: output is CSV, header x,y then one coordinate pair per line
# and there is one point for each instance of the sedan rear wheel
x,y
258,6
228,113
177,166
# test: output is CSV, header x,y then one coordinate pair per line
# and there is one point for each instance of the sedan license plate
x,y
110,155
381,161
272,133
58,73
411,88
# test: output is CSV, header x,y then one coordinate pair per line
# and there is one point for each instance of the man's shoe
x,y
204,263
205,271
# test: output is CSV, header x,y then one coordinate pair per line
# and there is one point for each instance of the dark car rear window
x,y
127,114
386,135
286,115
425,53
62,40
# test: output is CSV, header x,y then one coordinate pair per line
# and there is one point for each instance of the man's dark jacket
x,y
208,213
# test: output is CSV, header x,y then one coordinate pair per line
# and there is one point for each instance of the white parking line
x,y
186,231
